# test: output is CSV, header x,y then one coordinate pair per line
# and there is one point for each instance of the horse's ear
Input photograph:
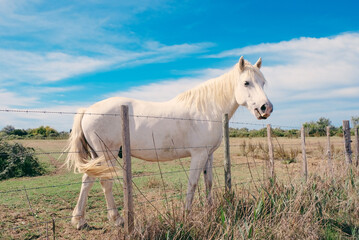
x,y
241,63
258,63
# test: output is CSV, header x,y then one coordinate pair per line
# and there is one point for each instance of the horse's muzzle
x,y
264,112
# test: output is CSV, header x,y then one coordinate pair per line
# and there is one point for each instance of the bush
x,y
18,161
234,132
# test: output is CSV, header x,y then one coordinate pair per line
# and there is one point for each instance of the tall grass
x,y
322,208
260,151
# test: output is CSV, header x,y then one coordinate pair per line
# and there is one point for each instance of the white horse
x,y
189,125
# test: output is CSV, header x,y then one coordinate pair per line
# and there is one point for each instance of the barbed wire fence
x,y
259,159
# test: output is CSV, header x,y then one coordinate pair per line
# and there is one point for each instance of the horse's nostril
x,y
263,108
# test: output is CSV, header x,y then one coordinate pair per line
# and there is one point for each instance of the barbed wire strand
x,y
27,111
147,201
134,182
143,149
31,225
104,114
110,179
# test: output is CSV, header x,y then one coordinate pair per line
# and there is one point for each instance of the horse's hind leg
x,y
112,214
208,177
78,215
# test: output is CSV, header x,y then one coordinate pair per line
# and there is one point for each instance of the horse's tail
x,y
78,153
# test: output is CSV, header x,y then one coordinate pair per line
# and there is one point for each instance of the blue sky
x,y
62,55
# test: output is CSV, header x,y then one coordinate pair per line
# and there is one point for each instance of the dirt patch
x,y
54,162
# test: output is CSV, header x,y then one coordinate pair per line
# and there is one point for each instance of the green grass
x,y
255,210
320,209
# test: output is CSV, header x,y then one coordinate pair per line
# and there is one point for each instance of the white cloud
x,y
43,42
168,89
10,99
66,39
72,23
158,92
319,67
302,49
37,68
50,90
338,93
307,78
53,117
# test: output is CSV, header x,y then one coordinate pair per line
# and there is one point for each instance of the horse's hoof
x,y
210,202
79,223
119,222
83,226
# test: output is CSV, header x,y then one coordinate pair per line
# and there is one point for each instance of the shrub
x,y
18,161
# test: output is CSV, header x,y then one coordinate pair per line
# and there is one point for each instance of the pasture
x,y
28,205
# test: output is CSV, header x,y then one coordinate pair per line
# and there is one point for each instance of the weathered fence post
x,y
127,171
47,231
329,153
227,159
356,146
347,142
270,151
304,155
53,229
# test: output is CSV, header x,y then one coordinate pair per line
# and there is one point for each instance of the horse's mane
x,y
215,94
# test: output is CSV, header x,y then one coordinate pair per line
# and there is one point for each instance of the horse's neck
x,y
213,98
230,105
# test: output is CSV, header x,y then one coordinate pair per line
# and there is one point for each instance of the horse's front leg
x,y
208,178
198,162
78,215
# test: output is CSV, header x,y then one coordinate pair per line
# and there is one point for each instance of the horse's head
x,y
249,91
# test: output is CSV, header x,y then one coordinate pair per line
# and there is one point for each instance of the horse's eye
x,y
246,83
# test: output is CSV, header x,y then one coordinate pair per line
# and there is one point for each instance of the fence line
x,y
104,114
103,210
183,194
27,111
116,178
147,201
142,149
136,176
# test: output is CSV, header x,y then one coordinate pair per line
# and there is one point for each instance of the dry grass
x,y
323,208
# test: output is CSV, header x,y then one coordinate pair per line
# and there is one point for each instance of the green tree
x,y
355,121
8,129
44,132
318,128
19,132
324,122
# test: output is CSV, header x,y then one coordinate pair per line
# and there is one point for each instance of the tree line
x,y
42,132
312,129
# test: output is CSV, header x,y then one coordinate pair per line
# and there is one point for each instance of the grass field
x,y
23,213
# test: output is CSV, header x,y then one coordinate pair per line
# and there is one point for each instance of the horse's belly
x,y
165,154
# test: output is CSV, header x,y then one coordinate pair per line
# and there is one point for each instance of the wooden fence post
x,y
347,142
47,230
356,146
270,151
304,155
127,171
227,159
329,153
53,229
